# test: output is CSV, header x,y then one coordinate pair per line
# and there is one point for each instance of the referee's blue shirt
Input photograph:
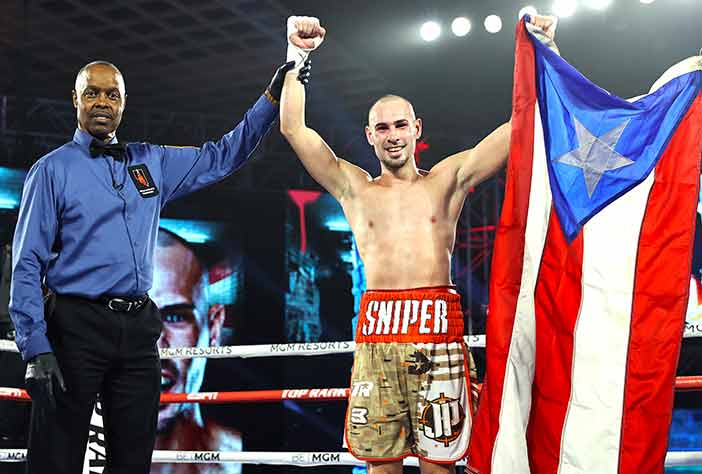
x,y
88,226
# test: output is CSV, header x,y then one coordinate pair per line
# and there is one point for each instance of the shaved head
x,y
81,77
389,98
180,272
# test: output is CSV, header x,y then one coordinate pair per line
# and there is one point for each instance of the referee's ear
x,y
215,318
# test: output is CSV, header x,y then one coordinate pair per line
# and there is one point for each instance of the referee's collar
x,y
84,139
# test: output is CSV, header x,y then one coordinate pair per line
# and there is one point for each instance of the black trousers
x,y
115,355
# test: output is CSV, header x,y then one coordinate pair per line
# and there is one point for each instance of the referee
x,y
87,230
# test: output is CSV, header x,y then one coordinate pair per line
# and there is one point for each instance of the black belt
x,y
123,304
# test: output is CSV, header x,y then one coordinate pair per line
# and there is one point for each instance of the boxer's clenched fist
x,y
305,32
545,23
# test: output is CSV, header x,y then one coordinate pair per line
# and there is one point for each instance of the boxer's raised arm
x,y
337,176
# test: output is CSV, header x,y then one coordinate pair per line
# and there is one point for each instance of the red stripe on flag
x,y
661,289
557,300
508,258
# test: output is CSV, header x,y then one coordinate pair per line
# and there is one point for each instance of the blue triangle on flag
x,y
599,146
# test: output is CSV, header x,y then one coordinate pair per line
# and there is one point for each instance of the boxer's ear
x,y
215,318
369,135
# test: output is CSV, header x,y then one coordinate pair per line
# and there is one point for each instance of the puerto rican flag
x,y
590,274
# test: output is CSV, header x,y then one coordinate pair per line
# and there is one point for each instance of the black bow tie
x,y
116,150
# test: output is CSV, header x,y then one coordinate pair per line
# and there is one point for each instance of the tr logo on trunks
x,y
398,317
442,419
361,389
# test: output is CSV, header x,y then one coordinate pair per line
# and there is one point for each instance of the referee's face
x,y
99,99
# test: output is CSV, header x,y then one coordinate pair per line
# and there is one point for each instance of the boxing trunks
x,y
410,386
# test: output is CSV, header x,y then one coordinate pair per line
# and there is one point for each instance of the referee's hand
x,y
39,379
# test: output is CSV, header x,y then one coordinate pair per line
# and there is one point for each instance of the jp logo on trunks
x,y
402,316
442,419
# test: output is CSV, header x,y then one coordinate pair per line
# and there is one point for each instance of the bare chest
x,y
394,216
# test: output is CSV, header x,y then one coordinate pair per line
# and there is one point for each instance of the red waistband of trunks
x,y
431,314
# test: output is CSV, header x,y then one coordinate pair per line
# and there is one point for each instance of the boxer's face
x,y
99,98
393,131
175,291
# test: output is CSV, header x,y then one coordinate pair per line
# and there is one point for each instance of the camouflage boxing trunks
x,y
410,387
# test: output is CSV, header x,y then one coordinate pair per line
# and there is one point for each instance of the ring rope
x,y
303,394
305,459
291,349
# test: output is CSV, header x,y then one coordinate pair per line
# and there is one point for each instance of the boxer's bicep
x,y
331,172
487,158
448,170
334,174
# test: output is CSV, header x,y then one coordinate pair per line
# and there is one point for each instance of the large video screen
x,y
198,285
324,271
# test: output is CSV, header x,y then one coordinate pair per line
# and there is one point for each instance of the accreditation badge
x,y
143,181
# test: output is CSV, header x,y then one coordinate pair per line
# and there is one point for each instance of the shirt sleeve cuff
x,y
36,344
264,109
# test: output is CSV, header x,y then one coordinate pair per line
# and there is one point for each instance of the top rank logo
x,y
142,180
442,419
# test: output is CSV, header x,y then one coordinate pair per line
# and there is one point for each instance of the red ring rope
x,y
690,383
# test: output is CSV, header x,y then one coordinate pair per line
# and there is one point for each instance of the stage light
x,y
193,231
11,181
564,8
493,23
430,31
528,10
8,203
599,4
460,26
337,224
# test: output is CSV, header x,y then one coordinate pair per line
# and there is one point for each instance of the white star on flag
x,y
595,155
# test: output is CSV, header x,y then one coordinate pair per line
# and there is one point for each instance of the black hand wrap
x,y
305,71
275,88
